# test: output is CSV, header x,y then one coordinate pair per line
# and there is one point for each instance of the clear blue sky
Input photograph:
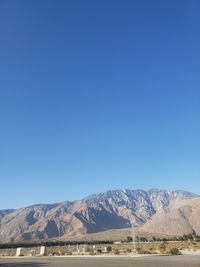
x,y
98,95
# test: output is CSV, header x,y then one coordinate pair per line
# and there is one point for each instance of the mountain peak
x,y
113,209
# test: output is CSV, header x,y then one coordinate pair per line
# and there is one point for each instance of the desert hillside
x,y
117,209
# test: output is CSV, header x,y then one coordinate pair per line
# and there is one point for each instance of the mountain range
x,y
154,211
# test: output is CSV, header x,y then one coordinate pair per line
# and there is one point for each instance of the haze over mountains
x,y
153,211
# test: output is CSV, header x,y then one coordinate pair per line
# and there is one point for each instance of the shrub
x,y
99,251
129,239
162,247
174,251
92,253
145,252
116,252
109,249
68,253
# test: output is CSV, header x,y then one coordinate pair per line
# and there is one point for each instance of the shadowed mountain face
x,y
110,210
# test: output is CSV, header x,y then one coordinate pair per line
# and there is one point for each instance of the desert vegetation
x,y
142,245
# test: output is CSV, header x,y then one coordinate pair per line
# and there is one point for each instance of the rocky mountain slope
x,y
4,212
110,210
182,219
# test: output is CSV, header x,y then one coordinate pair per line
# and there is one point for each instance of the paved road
x,y
152,261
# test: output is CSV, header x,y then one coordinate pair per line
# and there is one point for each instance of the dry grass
x,y
123,248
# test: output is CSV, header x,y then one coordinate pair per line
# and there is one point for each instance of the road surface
x,y
148,261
